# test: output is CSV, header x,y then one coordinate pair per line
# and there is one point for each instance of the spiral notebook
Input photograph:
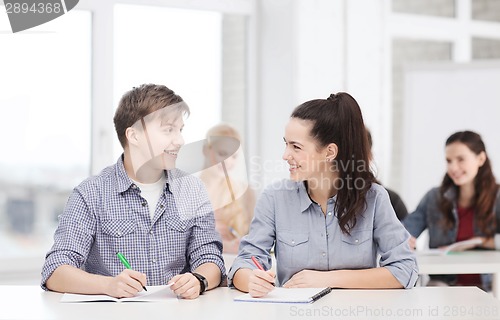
x,y
288,295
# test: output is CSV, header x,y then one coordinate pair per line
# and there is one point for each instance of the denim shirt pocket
x,y
293,248
357,249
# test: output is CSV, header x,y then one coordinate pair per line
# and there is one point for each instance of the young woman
x,y
465,206
225,179
330,221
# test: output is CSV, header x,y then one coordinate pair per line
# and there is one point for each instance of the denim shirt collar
x,y
305,200
451,194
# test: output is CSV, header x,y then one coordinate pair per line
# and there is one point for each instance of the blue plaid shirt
x,y
106,214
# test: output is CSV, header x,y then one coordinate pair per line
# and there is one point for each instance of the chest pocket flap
x,y
291,238
118,228
357,237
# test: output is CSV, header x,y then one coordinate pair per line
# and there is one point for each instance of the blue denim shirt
x,y
428,216
305,238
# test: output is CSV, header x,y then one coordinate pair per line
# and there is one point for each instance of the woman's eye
x,y
296,147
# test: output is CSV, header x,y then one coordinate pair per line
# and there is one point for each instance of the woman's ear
x,y
482,158
332,150
132,136
206,150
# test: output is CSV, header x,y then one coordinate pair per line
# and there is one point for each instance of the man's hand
x,y
125,285
186,286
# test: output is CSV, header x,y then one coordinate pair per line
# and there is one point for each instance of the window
x,y
181,49
60,87
45,105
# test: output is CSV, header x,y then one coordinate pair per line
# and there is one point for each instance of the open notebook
x,y
454,247
154,294
288,295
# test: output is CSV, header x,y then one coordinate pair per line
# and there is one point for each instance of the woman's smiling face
x,y
462,163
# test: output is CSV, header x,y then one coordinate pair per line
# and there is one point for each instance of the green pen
x,y
126,264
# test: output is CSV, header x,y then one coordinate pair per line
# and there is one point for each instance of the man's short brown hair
x,y
141,101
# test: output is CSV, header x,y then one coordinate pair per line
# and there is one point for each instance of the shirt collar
x,y
450,194
305,200
123,181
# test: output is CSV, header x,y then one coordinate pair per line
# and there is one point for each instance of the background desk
x,y
463,263
30,302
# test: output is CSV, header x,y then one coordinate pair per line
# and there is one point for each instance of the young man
x,y
156,216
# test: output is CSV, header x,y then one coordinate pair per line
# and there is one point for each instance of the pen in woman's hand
x,y
258,265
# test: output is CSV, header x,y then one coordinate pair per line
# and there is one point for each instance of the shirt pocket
x,y
117,235
357,249
293,248
118,228
177,224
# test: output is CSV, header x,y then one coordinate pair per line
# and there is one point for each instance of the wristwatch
x,y
203,282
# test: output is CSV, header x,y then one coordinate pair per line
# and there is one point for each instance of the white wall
x,y
440,99
309,49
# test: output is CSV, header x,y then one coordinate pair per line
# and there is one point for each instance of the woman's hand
x,y
412,242
309,279
260,283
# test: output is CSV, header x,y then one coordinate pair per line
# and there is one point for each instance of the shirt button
x,y
161,206
293,242
119,233
356,240
330,213
154,260
144,204
324,254
151,232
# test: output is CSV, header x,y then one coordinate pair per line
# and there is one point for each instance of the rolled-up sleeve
x,y
416,222
73,237
205,244
260,238
392,239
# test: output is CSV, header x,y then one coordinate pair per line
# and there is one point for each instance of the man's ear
x,y
132,136
332,150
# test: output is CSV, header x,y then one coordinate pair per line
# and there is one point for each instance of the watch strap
x,y
203,282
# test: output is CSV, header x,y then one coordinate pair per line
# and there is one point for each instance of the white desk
x,y
466,262
30,302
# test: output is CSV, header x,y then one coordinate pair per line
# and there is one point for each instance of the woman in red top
x,y
465,206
